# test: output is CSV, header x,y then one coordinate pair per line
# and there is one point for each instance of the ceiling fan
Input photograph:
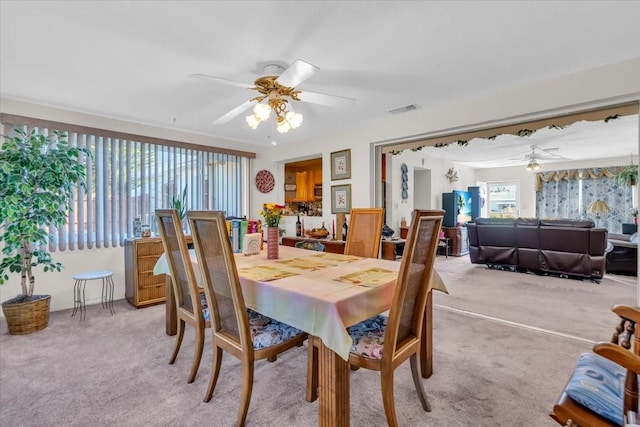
x,y
539,153
276,91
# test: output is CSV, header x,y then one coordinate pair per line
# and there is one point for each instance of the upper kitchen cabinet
x,y
303,185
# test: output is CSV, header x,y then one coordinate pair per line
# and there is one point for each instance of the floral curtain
x,y
568,194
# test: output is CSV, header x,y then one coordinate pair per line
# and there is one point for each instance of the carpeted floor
x,y
505,344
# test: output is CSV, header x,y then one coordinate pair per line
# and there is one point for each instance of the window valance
x,y
584,173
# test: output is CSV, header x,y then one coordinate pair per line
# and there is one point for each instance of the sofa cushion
x,y
495,221
568,223
633,238
532,222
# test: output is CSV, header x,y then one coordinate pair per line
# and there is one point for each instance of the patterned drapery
x,y
568,193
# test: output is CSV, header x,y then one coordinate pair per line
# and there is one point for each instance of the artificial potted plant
x,y
38,176
627,175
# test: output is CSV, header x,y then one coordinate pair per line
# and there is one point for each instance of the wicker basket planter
x,y
26,317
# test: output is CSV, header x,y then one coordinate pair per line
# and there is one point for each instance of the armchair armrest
x,y
619,355
627,312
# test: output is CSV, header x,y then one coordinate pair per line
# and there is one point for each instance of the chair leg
x,y
247,387
215,371
417,381
312,370
386,382
179,336
197,355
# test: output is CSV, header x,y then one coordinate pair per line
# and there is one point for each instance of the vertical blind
x,y
128,179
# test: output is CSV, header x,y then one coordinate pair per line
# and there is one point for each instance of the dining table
x,y
322,294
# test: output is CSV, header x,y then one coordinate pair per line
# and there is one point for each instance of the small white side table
x,y
79,291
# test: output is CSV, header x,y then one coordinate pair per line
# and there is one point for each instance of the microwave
x,y
317,191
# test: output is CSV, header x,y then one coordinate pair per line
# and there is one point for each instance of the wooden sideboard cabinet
x,y
333,246
392,249
459,240
142,287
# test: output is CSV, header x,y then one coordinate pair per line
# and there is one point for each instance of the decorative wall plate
x,y
265,181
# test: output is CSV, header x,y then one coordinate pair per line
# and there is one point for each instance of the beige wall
x,y
605,85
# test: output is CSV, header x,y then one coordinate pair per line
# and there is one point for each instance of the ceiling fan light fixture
x,y
262,111
283,125
533,166
294,119
252,121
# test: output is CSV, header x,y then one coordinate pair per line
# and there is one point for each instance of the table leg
x,y
171,320
333,378
426,341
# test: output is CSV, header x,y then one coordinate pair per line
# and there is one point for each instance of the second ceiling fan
x,y
541,154
276,91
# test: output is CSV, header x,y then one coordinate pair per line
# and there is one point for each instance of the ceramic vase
x,y
272,242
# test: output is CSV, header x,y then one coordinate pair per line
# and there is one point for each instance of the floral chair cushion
x,y
368,337
266,332
205,307
598,384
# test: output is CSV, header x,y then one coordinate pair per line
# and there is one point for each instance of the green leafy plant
x,y
272,213
180,204
38,177
628,175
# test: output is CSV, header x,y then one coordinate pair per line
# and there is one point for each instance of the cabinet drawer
x,y
147,280
146,264
150,248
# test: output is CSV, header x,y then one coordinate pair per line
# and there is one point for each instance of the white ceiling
x,y
131,60
583,140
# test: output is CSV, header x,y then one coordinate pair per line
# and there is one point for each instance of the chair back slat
x,y
410,295
219,275
365,230
175,247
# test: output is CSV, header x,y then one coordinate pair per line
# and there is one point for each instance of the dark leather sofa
x,y
564,247
623,255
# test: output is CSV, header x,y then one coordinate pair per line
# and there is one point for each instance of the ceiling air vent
x,y
403,109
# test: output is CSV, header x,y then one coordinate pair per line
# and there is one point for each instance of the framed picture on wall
x,y
341,198
341,164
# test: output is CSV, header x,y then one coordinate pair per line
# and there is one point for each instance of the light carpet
x,y
505,344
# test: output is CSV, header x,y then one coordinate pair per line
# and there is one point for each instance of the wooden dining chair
x,y
365,231
243,333
382,343
603,389
190,303
363,239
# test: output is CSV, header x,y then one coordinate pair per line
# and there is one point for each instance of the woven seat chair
x,y
383,343
365,231
310,245
363,239
243,333
190,303
603,389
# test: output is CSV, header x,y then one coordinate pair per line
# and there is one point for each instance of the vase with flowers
x,y
634,214
272,213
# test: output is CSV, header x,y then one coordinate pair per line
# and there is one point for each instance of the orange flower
x,y
272,213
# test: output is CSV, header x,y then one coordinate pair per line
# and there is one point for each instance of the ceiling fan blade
x,y
221,80
324,99
234,113
298,72
552,157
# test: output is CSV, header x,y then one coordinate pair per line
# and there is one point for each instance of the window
x,y
128,178
502,199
